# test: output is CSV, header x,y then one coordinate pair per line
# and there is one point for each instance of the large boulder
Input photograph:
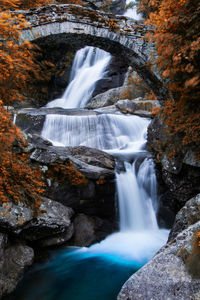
x,y
89,230
138,106
15,258
187,216
174,272
132,88
51,220
78,177
105,99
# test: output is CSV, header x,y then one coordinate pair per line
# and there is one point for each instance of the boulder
x,y
132,89
78,177
187,216
138,106
89,230
167,275
52,218
15,258
105,99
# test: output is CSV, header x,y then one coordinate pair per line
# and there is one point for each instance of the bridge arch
x,y
83,27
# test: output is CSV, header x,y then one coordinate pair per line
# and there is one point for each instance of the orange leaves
x,y
18,181
67,172
193,82
176,34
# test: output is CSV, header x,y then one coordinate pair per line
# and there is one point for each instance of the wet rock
x,y
57,239
78,177
89,230
105,99
14,260
93,163
178,181
31,120
138,106
19,219
190,158
114,78
188,215
166,276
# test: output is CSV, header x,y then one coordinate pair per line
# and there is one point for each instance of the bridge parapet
x,y
119,35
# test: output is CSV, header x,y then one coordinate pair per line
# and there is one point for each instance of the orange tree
x,y
176,34
18,180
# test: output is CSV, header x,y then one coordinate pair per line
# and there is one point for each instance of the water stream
x,y
99,271
88,67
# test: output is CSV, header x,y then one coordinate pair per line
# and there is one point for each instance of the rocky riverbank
x,y
174,272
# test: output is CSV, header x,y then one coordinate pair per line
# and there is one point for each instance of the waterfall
x,y
123,136
88,67
132,12
114,133
135,203
99,271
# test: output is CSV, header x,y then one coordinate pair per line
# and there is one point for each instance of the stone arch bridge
x,y
73,24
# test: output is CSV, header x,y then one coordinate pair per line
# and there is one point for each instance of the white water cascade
x,y
123,136
88,67
132,12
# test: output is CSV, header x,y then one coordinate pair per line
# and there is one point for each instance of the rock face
x,y
53,218
89,230
78,177
14,260
174,272
179,176
115,75
187,216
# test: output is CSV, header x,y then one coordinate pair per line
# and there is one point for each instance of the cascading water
x,y
132,12
137,212
99,271
88,67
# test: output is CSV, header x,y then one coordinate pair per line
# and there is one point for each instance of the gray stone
x,y
58,239
3,242
190,158
171,165
188,215
179,181
13,263
107,109
89,230
138,106
94,193
105,99
52,218
93,163
166,275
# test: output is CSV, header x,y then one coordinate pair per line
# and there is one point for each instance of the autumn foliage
x,y
18,181
176,35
